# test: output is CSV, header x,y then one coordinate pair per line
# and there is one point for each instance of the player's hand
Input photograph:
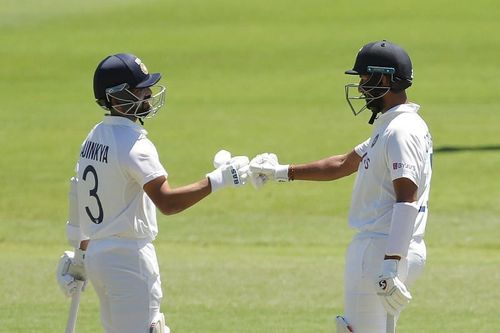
x,y
391,291
230,171
257,180
70,269
266,167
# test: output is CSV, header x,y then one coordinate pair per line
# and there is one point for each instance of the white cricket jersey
x,y
400,146
116,160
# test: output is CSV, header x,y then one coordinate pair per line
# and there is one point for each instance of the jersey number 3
x,y
93,193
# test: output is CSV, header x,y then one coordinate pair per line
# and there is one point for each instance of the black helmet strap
x,y
373,117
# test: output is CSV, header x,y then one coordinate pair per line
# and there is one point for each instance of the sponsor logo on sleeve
x,y
402,165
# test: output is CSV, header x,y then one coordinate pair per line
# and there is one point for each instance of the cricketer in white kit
x,y
390,198
119,183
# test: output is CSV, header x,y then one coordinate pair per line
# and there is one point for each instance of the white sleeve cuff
x,y
361,148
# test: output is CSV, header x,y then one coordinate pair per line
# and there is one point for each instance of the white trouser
x,y
363,309
126,278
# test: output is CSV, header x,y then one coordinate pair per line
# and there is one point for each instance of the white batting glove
x,y
257,180
70,269
391,291
230,171
266,167
221,158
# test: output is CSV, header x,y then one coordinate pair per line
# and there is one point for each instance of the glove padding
x,y
229,171
70,269
391,291
266,167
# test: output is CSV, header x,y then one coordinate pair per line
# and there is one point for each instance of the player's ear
x,y
386,80
104,104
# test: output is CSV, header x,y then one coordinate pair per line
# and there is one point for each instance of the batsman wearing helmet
x,y
119,182
389,205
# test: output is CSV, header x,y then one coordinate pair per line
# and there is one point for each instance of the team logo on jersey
x,y
143,67
374,141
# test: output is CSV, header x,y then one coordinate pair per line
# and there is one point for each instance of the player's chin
x,y
145,110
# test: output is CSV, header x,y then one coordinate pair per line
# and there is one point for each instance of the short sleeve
x,y
362,147
404,155
144,164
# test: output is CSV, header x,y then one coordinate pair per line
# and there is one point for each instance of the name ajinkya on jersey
x,y
95,151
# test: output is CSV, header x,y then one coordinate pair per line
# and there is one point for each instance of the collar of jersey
x,y
122,121
394,111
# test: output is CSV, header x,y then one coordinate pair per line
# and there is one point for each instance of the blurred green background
x,y
251,77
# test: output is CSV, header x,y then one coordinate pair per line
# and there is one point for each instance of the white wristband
x,y
281,173
401,231
216,180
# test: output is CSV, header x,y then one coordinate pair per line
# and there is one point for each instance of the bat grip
x,y
73,311
390,324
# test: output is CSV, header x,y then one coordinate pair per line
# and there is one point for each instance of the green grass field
x,y
251,77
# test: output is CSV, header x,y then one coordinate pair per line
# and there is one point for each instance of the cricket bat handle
x,y
73,311
390,324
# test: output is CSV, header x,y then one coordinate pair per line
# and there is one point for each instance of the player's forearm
x,y
84,244
329,168
176,200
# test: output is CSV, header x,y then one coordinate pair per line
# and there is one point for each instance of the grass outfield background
x,y
251,77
